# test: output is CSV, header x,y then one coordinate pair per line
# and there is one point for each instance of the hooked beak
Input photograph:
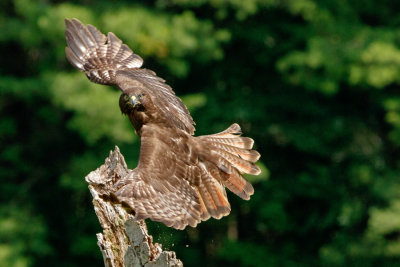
x,y
134,100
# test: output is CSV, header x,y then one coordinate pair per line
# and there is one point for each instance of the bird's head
x,y
131,102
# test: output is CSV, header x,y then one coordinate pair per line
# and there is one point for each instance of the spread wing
x,y
163,186
179,179
106,60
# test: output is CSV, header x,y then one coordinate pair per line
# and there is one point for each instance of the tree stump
x,y
124,241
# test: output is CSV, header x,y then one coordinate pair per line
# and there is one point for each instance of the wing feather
x,y
161,187
107,60
170,185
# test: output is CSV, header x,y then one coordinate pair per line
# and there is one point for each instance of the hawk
x,y
180,179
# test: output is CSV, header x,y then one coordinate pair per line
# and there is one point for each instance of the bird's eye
x,y
125,97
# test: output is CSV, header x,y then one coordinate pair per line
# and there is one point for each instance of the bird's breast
x,y
138,119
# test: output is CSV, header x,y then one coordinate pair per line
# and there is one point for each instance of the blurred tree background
x,y
314,82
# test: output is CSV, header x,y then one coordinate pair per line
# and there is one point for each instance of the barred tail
x,y
233,156
100,57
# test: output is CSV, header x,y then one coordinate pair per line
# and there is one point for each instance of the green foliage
x,y
19,242
72,92
315,83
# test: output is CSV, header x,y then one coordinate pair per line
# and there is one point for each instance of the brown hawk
x,y
180,179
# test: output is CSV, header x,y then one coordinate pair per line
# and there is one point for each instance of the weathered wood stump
x,y
124,241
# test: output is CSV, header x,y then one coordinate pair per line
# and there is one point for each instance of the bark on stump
x,y
124,241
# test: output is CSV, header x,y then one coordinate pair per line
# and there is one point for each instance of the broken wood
x,y
124,241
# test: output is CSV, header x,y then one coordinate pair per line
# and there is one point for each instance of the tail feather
x,y
208,200
238,184
232,155
205,215
213,194
100,57
246,154
232,132
240,164
240,142
230,137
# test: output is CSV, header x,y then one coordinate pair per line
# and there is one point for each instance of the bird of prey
x,y
180,179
